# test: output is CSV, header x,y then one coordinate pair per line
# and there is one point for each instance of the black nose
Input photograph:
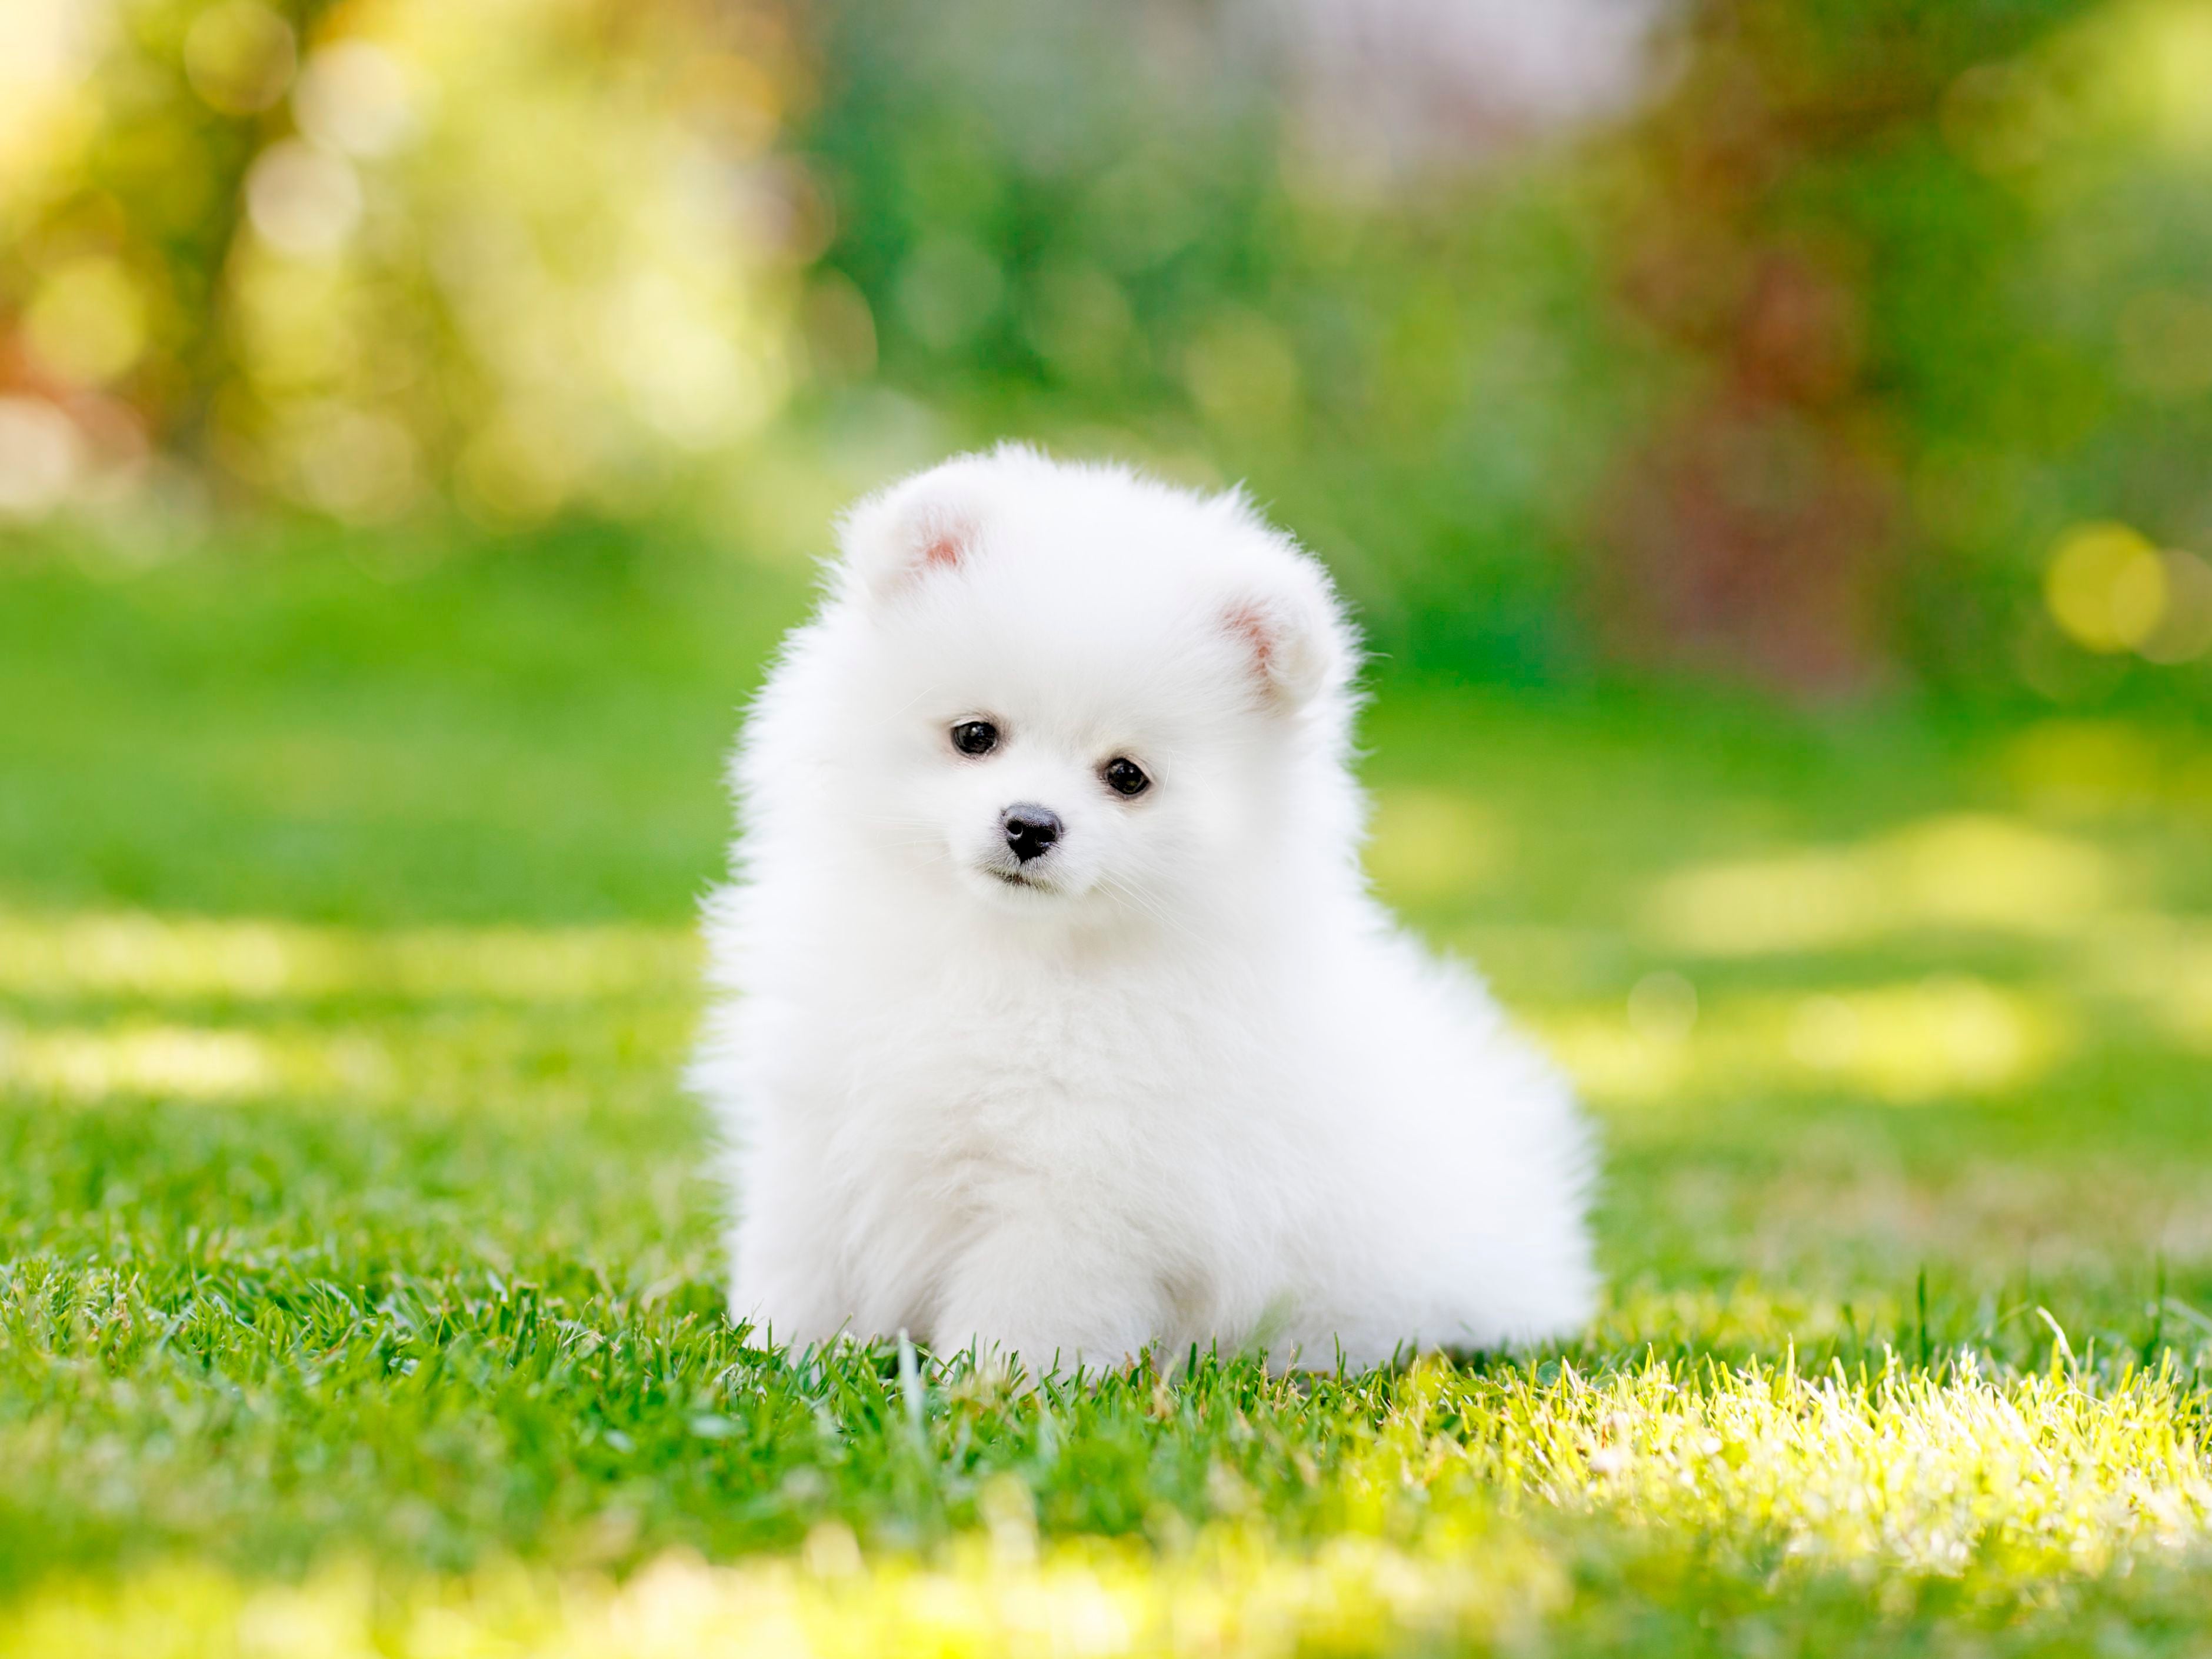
x,y
1030,831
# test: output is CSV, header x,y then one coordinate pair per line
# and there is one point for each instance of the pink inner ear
x,y
942,551
1247,621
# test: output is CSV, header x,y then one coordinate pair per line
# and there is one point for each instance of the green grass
x,y
358,1278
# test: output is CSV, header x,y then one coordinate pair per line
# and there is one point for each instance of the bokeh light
x,y
2107,587
40,457
2184,632
240,56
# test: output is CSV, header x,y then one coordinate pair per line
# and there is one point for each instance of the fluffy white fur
x,y
1180,1079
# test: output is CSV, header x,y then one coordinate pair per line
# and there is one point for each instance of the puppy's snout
x,y
1030,831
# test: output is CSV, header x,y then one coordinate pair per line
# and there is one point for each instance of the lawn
x,y
358,1287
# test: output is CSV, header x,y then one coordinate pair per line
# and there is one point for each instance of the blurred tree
x,y
1838,222
1800,344
1112,231
533,252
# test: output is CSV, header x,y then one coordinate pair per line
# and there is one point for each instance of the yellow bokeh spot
x,y
2107,587
239,56
1811,900
1948,1037
1980,871
180,1061
127,954
1431,844
2185,632
353,97
1962,870
2176,46
2163,965
2085,768
87,322
1615,1063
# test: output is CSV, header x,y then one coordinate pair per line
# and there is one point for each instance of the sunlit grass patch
x,y
1941,1037
153,957
2012,1479
121,1005
1956,871
2164,964
141,1060
1477,1509
1231,1595
481,1058
2085,769
1427,844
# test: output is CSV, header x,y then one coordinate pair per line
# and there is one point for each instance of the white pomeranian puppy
x,y
1054,1015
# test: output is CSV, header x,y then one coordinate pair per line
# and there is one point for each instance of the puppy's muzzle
x,y
1030,831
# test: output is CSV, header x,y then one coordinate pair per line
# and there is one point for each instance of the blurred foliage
x,y
1866,343
1109,237
533,254
1914,264
1805,368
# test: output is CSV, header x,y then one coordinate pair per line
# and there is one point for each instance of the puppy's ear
x,y
929,523
1284,614
1294,643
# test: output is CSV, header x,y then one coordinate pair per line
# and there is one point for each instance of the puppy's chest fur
x,y
1112,1098
986,1066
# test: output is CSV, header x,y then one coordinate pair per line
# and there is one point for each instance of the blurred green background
x,y
1847,348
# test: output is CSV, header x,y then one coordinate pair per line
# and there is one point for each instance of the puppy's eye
x,y
974,737
1124,776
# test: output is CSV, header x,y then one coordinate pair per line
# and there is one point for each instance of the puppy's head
x,y
1081,690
